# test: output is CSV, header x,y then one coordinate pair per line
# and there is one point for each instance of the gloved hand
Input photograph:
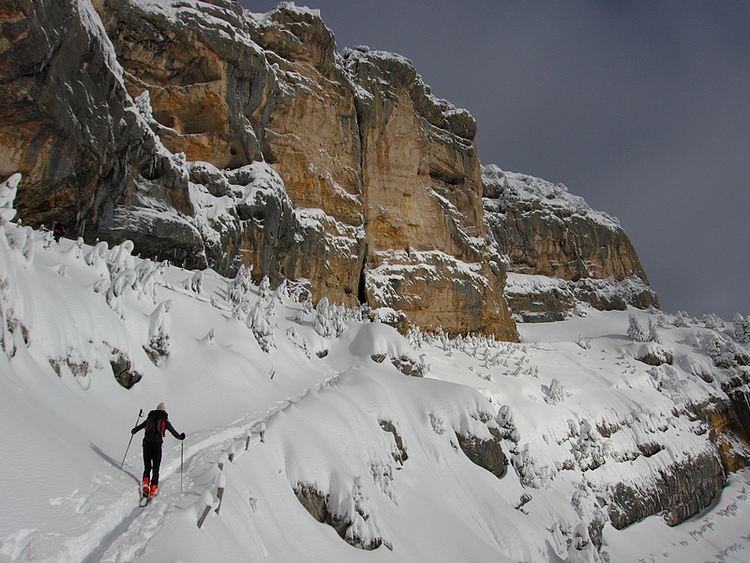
x,y
182,436
133,431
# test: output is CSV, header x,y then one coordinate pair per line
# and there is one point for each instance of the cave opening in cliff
x,y
361,289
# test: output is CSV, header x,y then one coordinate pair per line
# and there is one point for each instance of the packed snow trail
x,y
128,539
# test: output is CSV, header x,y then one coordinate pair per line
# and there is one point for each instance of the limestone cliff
x,y
560,250
147,132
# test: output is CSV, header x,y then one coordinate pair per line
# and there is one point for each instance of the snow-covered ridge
x,y
286,403
511,188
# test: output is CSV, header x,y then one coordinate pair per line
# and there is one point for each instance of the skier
x,y
156,424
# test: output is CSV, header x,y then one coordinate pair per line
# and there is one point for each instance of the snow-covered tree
x,y
554,393
322,321
714,322
742,328
653,335
117,288
194,283
718,349
282,291
261,320
681,319
238,291
506,424
120,258
8,190
158,332
635,331
96,257
265,288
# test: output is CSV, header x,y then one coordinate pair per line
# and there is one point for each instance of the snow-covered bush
x,y
635,330
120,258
588,450
264,289
157,347
530,473
282,291
261,321
506,425
8,190
238,291
742,329
713,322
121,283
681,319
12,331
720,350
554,393
96,257
653,335
322,321
194,283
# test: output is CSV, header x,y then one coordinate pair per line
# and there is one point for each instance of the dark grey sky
x,y
641,107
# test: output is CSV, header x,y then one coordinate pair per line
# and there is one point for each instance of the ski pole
x,y
140,412
182,452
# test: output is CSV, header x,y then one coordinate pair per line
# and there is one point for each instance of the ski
x,y
145,501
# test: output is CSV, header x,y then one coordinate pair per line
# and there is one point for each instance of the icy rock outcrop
x,y
546,231
679,492
355,526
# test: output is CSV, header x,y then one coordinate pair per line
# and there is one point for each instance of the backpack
x,y
156,423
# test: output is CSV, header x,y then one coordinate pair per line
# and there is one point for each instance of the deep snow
x,y
309,411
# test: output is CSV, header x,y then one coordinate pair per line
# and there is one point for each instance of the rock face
x,y
157,122
680,493
546,231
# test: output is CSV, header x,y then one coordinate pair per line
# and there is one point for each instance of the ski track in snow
x,y
128,539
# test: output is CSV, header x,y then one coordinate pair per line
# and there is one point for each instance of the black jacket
x,y
156,425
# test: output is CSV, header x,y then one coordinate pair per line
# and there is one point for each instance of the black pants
x,y
152,460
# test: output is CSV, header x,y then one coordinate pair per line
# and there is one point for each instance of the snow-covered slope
x,y
321,445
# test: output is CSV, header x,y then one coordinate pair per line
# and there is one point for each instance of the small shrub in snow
x,y
265,288
583,343
8,190
742,329
720,351
117,288
157,347
76,250
120,259
529,472
713,322
681,319
554,393
260,320
96,257
238,291
11,329
635,330
588,450
653,335
194,283
281,291
322,321
506,425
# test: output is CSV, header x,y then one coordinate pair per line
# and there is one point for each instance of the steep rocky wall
x,y
62,128
545,231
109,130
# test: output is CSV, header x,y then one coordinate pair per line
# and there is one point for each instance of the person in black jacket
x,y
156,425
